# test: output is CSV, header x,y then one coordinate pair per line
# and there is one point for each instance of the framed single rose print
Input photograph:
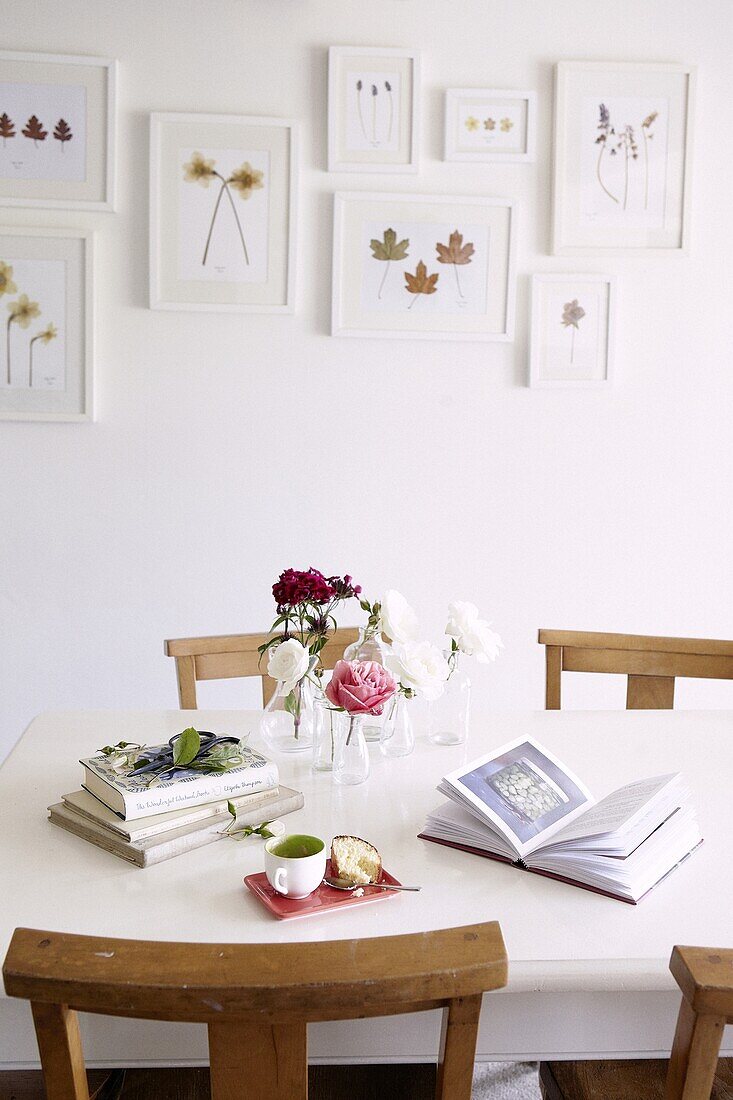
x,y
373,109
490,125
623,136
222,213
57,131
423,267
572,334
47,326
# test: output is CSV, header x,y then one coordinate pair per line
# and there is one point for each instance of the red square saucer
x,y
322,900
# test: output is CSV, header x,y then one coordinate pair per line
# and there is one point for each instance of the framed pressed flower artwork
x,y
572,330
481,124
373,109
423,267
222,213
47,328
623,135
57,131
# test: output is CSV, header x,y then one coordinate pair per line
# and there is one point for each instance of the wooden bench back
x,y
255,998
651,664
226,656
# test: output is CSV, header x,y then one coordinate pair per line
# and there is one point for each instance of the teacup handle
x,y
281,878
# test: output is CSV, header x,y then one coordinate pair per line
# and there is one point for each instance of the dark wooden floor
x,y
408,1082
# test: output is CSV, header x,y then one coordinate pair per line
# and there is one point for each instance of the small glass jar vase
x,y
369,647
449,714
350,755
398,736
289,718
325,727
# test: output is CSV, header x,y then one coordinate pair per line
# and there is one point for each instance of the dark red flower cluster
x,y
297,586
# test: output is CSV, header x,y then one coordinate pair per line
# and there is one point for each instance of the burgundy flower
x,y
343,587
295,586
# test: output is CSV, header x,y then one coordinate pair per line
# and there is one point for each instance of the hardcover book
x,y
522,806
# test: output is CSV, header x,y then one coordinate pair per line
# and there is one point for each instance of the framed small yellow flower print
x,y
222,213
47,329
489,125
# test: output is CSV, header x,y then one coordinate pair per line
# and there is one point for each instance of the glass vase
x,y
351,755
448,716
289,718
324,737
398,736
368,647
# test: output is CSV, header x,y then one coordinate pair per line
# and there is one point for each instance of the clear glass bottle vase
x,y
325,728
368,647
449,715
288,721
398,736
351,754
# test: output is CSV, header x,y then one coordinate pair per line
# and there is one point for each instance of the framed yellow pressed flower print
x,y
489,125
47,331
222,213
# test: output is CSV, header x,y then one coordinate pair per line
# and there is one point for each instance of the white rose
x,y
481,642
398,621
288,662
420,667
461,617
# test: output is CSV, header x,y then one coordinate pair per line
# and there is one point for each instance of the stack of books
x,y
147,824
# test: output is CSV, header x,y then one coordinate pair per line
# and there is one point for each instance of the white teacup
x,y
295,864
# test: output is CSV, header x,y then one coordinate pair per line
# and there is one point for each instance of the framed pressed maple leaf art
x,y
423,267
57,131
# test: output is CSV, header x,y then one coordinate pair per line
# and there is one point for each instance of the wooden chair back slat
x,y
230,656
650,663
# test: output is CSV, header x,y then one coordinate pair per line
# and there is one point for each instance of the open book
x,y
522,806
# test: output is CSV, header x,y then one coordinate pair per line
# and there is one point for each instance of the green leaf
x,y
186,746
292,704
232,810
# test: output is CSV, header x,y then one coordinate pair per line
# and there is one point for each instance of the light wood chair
x,y
226,656
651,664
705,976
255,998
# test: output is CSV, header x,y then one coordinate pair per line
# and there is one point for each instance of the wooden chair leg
x,y
650,693
186,672
694,1055
553,670
257,1062
62,1058
458,1048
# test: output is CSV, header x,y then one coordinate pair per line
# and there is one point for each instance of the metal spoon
x,y
347,884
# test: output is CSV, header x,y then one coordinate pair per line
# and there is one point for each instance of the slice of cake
x,y
355,860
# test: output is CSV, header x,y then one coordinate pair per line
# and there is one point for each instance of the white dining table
x,y
588,975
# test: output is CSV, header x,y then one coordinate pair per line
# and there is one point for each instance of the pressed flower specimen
x,y
62,132
48,334
7,128
627,142
646,130
420,282
388,249
243,180
456,253
388,89
33,129
471,123
359,88
375,93
506,125
605,130
21,313
572,315
7,286
489,124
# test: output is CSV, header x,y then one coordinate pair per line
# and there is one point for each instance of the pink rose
x,y
360,687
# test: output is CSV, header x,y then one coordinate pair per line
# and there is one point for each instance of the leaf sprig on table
x,y
246,830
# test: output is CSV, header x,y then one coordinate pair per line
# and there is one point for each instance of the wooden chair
x,y
226,656
255,998
651,664
705,976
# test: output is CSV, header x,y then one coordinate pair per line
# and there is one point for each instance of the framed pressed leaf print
x,y
373,109
423,267
486,125
57,131
572,330
622,157
222,213
46,310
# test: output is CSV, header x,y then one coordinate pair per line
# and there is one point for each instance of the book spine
x,y
207,811
196,792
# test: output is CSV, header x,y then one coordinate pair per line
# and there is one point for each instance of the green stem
x,y
391,116
626,177
7,341
455,268
361,116
572,343
30,362
239,225
598,173
352,719
381,285
414,299
646,168
213,218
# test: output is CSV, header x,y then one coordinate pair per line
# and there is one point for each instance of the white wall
x,y
227,447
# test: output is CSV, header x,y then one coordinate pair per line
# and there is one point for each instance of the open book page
x,y
520,791
460,825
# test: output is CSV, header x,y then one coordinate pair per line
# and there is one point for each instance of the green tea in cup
x,y
295,864
297,846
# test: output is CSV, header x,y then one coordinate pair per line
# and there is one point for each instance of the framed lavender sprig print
x,y
572,336
423,267
373,109
482,124
623,135
57,131
222,213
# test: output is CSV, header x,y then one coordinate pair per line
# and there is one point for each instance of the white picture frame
x,y
381,241
373,109
46,279
246,262
622,158
49,102
572,331
489,124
